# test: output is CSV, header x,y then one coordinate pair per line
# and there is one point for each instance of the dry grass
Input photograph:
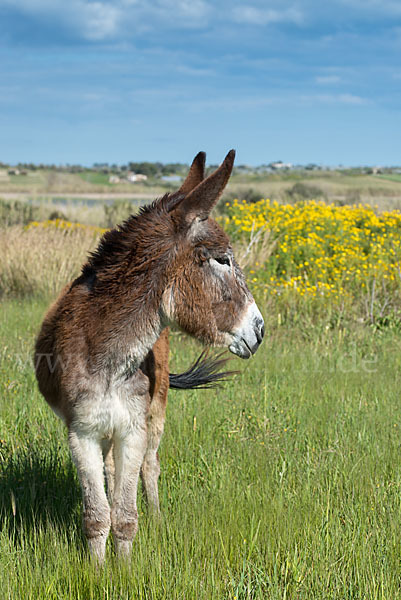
x,y
41,261
259,248
75,211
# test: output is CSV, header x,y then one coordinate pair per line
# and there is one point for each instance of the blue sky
x,y
299,81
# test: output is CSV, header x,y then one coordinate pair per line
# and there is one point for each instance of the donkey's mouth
x,y
240,348
247,336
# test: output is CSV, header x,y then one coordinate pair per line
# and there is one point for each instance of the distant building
x,y
136,177
279,165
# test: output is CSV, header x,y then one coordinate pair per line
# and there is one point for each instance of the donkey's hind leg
x,y
87,455
156,368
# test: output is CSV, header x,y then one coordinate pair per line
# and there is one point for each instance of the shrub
x,y
14,212
57,214
249,195
304,191
117,212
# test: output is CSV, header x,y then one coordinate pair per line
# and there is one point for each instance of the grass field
x,y
394,177
95,177
63,183
334,186
285,484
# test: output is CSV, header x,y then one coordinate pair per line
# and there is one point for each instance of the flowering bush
x,y
62,225
319,250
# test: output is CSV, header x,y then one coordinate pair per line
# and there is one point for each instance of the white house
x,y
136,177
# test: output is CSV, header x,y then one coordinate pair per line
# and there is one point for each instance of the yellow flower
x,y
320,249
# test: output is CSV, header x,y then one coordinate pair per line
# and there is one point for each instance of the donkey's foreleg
x,y
129,451
87,456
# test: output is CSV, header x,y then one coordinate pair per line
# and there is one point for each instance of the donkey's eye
x,y
223,260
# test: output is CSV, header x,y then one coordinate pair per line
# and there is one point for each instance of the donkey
x,y
101,357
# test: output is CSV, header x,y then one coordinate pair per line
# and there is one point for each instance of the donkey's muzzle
x,y
248,335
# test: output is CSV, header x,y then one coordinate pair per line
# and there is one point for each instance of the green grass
x,y
394,177
284,484
95,177
27,179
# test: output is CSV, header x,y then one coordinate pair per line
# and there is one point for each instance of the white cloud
x,y
252,15
98,20
190,8
337,99
101,21
92,20
388,7
229,103
117,20
177,13
106,19
328,79
351,99
195,71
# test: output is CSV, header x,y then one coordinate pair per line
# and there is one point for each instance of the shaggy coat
x,y
101,356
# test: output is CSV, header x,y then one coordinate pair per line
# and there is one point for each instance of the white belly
x,y
115,411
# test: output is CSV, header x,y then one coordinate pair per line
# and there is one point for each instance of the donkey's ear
x,y
196,174
199,202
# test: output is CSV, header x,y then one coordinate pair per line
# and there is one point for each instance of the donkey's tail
x,y
204,373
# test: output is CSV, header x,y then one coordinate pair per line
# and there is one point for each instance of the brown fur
x,y
101,356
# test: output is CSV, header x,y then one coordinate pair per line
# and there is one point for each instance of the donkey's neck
x,y
128,325
126,275
129,352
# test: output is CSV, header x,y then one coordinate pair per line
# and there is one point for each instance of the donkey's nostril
x,y
260,331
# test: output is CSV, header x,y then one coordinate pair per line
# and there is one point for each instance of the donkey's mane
x,y
134,237
161,206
